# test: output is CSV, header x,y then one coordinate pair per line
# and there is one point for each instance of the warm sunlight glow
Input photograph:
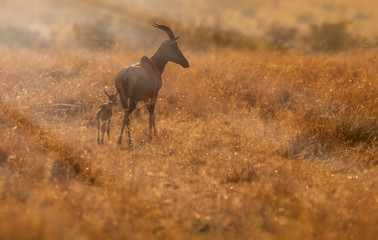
x,y
266,119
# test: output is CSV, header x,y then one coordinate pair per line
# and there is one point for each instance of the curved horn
x,y
167,30
175,40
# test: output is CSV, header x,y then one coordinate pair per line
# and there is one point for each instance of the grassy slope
x,y
256,144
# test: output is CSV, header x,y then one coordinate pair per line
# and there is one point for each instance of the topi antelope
x,y
104,115
142,81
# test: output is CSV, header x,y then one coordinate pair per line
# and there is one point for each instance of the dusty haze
x,y
270,134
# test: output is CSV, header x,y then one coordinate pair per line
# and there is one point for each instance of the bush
x,y
94,35
282,37
330,37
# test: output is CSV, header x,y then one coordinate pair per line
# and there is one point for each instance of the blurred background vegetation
x,y
329,26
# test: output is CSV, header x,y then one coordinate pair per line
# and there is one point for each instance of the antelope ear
x,y
176,39
106,93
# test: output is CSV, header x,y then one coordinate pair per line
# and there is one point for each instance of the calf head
x,y
112,98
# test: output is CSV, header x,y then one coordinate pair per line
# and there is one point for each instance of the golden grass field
x,y
254,141
251,145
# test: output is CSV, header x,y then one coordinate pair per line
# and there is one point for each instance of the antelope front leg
x,y
128,131
126,122
151,121
123,127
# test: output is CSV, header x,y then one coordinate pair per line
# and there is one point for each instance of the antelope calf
x,y
104,115
142,81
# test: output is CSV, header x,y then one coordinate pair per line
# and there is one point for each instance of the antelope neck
x,y
160,61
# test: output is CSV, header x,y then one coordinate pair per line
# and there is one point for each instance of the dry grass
x,y
251,145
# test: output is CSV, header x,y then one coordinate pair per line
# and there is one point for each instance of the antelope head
x,y
170,49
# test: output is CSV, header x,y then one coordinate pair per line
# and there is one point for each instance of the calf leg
x,y
98,133
103,129
108,130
